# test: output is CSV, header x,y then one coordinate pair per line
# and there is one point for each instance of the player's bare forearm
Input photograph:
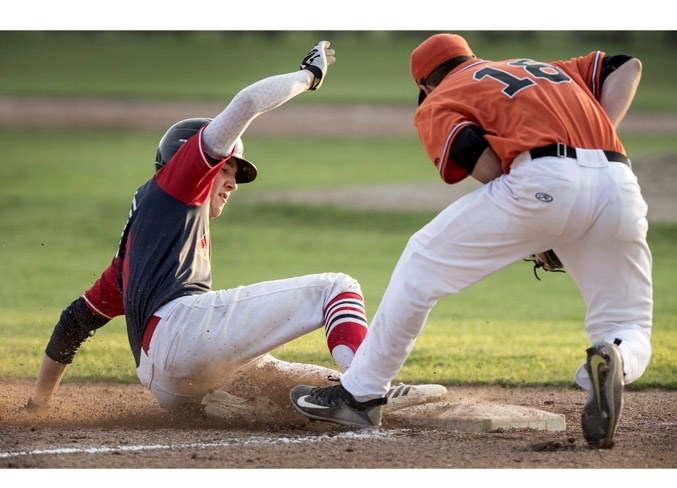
x,y
48,380
488,167
619,90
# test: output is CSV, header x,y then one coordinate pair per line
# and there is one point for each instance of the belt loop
x,y
561,150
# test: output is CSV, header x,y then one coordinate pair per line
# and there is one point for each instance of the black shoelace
x,y
333,395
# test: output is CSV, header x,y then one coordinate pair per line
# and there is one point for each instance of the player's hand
x,y
317,62
29,408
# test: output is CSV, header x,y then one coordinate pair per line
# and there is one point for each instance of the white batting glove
x,y
317,62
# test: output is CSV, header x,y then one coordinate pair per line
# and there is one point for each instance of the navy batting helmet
x,y
183,130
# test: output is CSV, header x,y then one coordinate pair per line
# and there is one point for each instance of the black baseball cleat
x,y
336,404
602,409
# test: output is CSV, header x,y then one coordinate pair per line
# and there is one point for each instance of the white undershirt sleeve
x,y
220,135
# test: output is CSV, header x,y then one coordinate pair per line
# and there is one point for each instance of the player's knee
x,y
343,282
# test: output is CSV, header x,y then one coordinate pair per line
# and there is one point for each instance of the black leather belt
x,y
564,151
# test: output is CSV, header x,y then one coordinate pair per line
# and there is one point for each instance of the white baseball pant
x,y
202,340
595,222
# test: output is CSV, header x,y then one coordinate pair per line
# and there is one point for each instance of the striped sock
x,y
345,324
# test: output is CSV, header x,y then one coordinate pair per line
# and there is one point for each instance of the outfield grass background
x,y
65,197
372,66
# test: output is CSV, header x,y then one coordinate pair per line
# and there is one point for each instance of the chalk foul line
x,y
252,441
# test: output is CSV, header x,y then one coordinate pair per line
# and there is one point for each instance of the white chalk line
x,y
252,441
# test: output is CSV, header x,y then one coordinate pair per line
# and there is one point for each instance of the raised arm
x,y
265,95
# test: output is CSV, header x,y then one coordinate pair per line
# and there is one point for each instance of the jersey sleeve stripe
x,y
594,85
91,306
203,155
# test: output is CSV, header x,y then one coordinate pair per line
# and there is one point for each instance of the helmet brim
x,y
246,171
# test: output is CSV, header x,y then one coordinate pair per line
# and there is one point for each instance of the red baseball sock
x,y
345,324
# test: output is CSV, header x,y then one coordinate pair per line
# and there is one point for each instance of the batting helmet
x,y
183,130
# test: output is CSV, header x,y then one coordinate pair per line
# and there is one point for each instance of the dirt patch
x,y
293,118
121,426
657,175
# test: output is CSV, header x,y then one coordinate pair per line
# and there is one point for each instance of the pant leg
x,y
479,234
590,210
611,265
205,338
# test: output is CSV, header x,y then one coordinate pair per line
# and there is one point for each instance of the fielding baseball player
x,y
187,339
542,138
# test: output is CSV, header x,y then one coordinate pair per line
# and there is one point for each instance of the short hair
x,y
438,74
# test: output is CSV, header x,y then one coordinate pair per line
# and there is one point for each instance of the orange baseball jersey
x,y
519,104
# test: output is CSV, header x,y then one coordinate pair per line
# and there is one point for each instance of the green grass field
x,y
65,198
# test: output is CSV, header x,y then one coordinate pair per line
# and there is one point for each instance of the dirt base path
x,y
290,119
121,426
657,176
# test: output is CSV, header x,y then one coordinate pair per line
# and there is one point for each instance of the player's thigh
x,y
209,335
611,262
263,316
472,238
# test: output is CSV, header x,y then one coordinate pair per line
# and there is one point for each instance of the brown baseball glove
x,y
547,260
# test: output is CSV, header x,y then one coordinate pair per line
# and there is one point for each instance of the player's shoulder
x,y
592,57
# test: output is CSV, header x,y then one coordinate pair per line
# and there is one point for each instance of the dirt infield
x,y
121,426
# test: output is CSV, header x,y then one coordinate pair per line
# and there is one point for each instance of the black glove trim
x,y
317,73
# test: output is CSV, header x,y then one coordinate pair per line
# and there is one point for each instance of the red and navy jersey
x,y
164,251
518,104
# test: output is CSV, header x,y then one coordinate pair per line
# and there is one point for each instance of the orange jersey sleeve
x,y
519,104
